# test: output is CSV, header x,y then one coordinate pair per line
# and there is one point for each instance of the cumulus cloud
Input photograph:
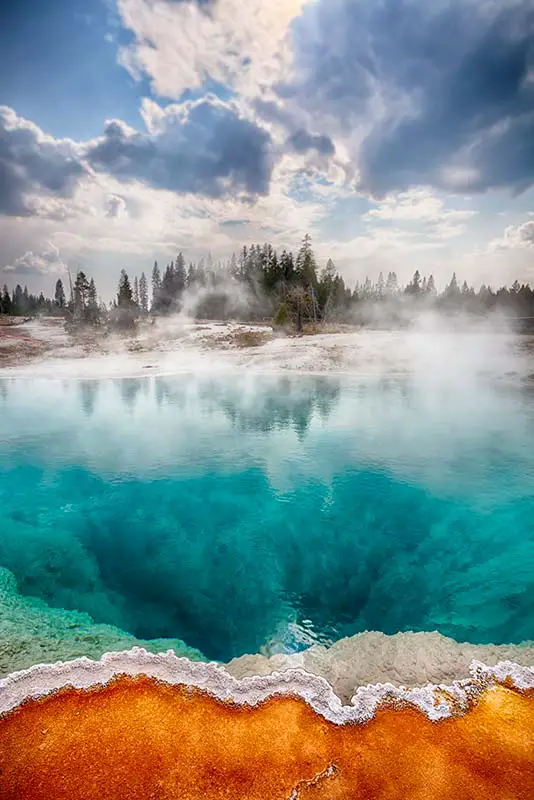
x,y
205,147
425,93
32,163
515,237
45,262
182,44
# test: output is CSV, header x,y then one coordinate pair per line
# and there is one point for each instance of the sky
x,y
398,133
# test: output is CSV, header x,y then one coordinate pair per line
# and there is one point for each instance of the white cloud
x,y
116,206
46,262
424,211
34,165
417,205
515,237
180,45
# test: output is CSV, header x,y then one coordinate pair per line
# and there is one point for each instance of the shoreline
x,y
437,702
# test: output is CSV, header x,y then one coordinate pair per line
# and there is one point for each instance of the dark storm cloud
x,y
302,142
299,139
208,150
33,164
453,81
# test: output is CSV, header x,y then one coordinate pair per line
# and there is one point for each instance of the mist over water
x,y
241,513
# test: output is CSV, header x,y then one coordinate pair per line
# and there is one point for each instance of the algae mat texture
x,y
140,739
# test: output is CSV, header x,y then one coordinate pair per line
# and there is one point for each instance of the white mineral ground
x,y
437,702
41,348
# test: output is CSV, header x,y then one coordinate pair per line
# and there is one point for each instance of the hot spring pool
x,y
246,513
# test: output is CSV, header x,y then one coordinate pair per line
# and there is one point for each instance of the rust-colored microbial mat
x,y
137,739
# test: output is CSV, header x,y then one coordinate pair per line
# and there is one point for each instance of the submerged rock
x,y
405,659
31,632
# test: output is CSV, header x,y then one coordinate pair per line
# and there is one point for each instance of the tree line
x,y
261,284
20,303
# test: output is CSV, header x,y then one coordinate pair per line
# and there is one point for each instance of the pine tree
x,y
143,293
191,275
299,305
452,290
243,261
124,293
81,290
156,288
136,291
16,301
93,310
167,291
59,295
287,269
326,290
367,288
6,302
380,285
414,287
125,313
392,284
306,264
200,273
330,268
233,267
271,271
180,279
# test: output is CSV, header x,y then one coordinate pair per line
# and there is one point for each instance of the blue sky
x,y
399,133
58,69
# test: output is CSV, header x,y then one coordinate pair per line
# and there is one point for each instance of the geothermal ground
x,y
138,726
176,345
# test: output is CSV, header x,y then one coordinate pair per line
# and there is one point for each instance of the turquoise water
x,y
272,512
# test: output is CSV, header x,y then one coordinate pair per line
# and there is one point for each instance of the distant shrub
x,y
251,338
282,316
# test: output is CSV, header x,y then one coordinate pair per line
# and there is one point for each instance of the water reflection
x,y
129,389
260,404
88,395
